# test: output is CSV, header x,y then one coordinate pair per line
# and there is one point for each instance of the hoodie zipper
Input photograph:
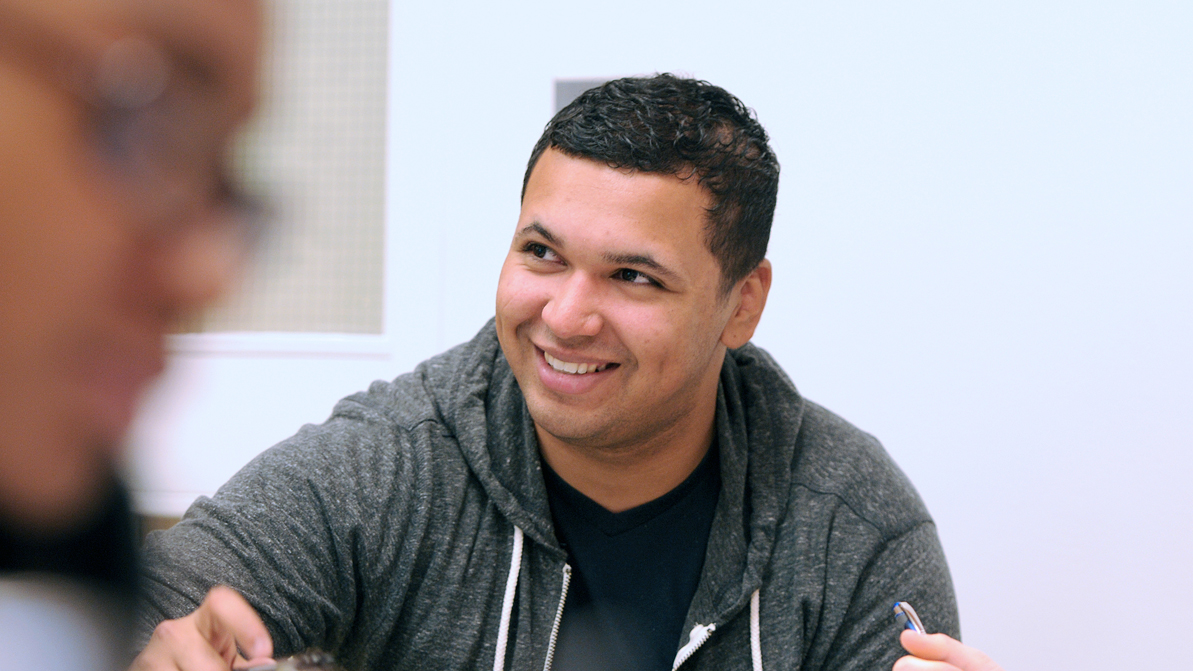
x,y
696,638
563,596
699,634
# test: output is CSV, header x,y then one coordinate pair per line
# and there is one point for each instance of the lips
x,y
114,376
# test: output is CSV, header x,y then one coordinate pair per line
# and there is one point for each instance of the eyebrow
x,y
536,227
642,261
639,260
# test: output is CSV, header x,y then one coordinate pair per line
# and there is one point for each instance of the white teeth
x,y
573,368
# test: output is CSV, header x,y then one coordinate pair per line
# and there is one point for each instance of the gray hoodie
x,y
411,530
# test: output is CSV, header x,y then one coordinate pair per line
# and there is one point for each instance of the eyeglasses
x,y
158,133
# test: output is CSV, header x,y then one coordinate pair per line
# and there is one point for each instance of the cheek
x,y
58,266
65,238
652,335
508,297
515,307
521,295
679,341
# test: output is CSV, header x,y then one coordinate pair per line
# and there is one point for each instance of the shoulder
x,y
431,392
832,462
836,459
394,429
428,400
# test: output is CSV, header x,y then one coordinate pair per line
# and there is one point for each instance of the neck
x,y
624,477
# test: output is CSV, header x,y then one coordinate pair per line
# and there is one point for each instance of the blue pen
x,y
906,617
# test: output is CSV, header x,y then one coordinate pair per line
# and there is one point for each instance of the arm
x,y
909,567
876,542
267,535
297,532
938,652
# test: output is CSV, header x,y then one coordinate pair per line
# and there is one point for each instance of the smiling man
x,y
609,476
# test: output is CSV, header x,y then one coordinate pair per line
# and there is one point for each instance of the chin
x,y
563,425
52,495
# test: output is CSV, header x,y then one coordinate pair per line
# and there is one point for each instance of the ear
x,y
751,299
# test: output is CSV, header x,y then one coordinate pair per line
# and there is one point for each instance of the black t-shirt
x,y
633,573
74,591
102,550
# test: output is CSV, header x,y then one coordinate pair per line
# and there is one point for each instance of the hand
x,y
210,638
939,652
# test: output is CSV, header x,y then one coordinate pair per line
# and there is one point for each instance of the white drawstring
x,y
755,635
511,590
507,604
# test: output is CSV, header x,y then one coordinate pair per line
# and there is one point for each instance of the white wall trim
x,y
286,344
170,504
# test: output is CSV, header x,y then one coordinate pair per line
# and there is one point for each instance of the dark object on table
x,y
311,660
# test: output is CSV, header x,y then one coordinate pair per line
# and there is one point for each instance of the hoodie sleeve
x,y
870,531
910,567
300,531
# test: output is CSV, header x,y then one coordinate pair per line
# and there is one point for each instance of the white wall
x,y
982,256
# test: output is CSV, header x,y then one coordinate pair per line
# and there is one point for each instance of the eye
x,y
635,277
540,251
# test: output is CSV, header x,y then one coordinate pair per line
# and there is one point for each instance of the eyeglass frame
x,y
148,125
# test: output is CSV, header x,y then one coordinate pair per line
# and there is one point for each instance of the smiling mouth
x,y
574,368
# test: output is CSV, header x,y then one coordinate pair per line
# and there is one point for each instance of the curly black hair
x,y
684,127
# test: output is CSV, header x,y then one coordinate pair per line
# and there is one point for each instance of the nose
x,y
196,264
574,310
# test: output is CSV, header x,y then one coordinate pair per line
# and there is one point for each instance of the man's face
x,y
90,284
608,306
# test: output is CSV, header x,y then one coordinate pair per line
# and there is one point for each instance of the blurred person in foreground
x,y
117,218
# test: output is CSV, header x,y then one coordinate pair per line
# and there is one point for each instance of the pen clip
x,y
906,617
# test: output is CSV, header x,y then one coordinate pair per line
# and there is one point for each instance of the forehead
x,y
581,199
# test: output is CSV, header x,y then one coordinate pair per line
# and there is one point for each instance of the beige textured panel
x,y
317,151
